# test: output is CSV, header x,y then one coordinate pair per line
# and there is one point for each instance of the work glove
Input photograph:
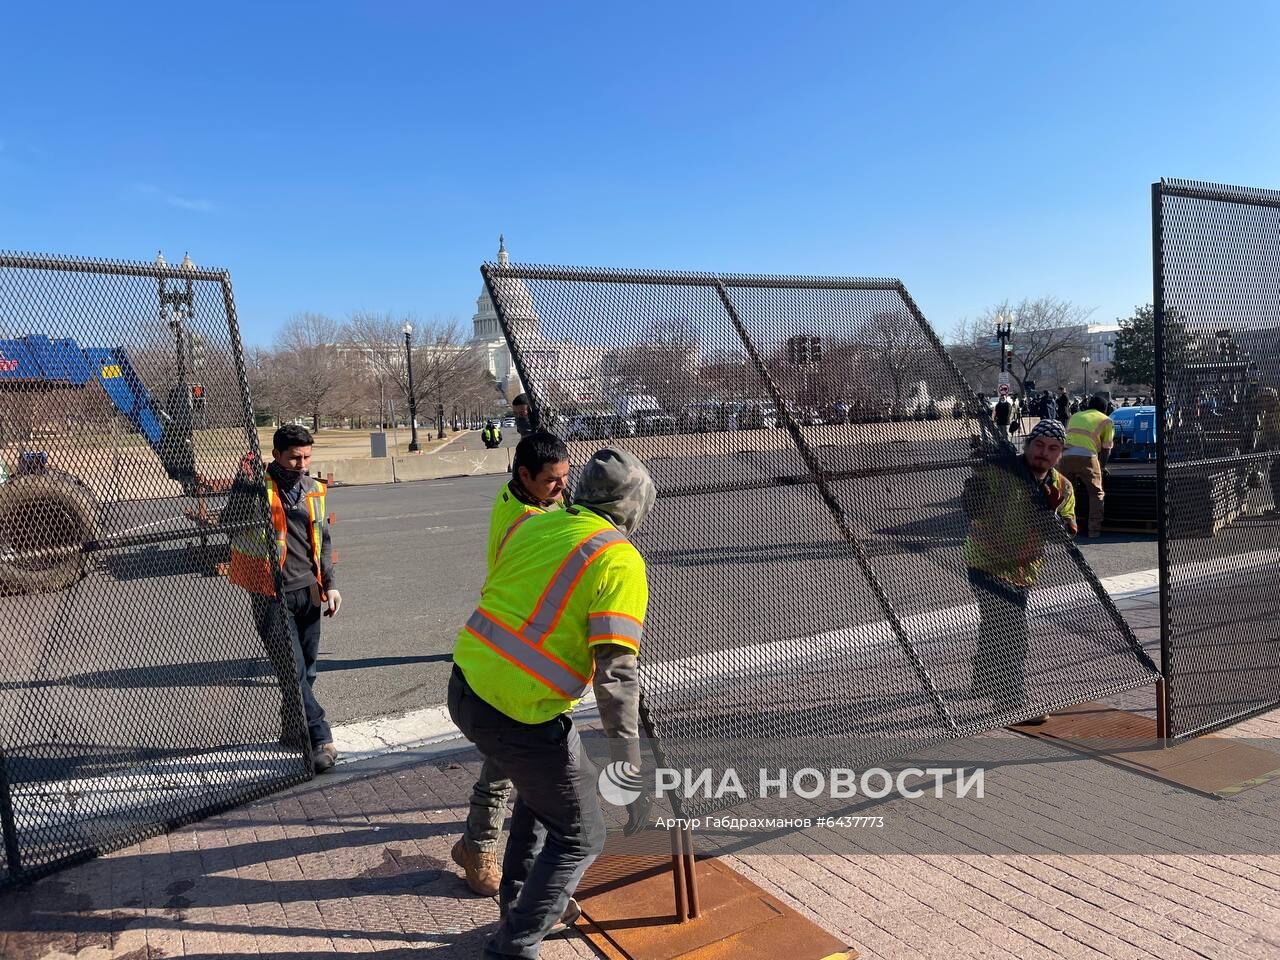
x,y
333,604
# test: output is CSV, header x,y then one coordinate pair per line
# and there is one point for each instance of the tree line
x,y
356,372
1048,339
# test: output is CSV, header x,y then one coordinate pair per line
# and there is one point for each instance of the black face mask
x,y
284,476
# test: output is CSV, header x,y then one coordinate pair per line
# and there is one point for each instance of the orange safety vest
x,y
251,549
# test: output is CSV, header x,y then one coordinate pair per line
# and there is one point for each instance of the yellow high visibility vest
x,y
1091,430
1006,541
251,549
563,582
507,510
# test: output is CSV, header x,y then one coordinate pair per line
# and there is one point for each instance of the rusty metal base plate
x,y
1217,766
628,906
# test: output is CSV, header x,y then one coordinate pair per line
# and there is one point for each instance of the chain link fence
x,y
1217,310
844,546
136,692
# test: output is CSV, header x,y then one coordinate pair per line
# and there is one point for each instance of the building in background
x,y
1101,340
487,338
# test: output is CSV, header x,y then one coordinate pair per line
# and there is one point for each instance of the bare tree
x,y
664,365
446,371
1048,336
974,355
308,371
900,352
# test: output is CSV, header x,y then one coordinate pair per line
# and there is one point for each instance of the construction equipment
x,y
49,518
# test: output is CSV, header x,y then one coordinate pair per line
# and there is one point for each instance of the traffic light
x,y
198,345
798,350
803,351
197,396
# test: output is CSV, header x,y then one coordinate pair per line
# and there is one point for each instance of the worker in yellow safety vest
x,y
1016,505
491,435
1090,436
284,516
540,475
562,612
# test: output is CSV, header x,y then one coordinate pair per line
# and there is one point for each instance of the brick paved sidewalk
x,y
358,862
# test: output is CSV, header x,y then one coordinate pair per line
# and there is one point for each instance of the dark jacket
x,y
247,503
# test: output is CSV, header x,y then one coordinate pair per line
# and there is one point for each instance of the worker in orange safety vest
x,y
291,505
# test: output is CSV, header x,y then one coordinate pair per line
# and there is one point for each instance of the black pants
x,y
557,827
1000,661
290,632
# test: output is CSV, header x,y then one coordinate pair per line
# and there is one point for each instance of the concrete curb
x,y
430,726
436,465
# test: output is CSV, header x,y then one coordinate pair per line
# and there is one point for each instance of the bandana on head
x,y
1052,429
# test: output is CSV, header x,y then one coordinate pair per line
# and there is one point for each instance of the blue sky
x,y
344,156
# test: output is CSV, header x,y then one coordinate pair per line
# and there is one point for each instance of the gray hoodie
x,y
617,485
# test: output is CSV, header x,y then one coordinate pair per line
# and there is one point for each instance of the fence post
x,y
1162,435
8,826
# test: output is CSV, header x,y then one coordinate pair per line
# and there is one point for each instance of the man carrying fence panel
x,y
1015,505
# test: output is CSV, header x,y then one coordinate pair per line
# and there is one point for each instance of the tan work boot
x,y
481,868
324,757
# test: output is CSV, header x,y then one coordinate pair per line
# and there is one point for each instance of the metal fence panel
x,y
136,691
811,444
1217,309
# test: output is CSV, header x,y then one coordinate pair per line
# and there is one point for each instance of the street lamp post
x,y
413,401
1004,331
1084,363
439,398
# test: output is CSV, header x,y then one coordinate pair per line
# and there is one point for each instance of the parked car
x,y
599,426
837,413
754,416
652,423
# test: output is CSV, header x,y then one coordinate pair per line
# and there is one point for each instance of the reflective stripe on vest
x,y
552,602
544,667
615,628
525,647
1087,438
250,552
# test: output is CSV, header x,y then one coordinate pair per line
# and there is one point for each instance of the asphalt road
x,y
410,560
470,440
411,565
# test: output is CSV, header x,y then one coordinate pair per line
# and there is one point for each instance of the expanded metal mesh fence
x,y
135,690
844,546
1217,309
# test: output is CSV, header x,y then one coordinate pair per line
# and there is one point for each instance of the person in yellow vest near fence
x,y
540,477
288,619
1015,505
1090,437
563,611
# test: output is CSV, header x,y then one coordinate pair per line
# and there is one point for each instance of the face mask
x,y
285,476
